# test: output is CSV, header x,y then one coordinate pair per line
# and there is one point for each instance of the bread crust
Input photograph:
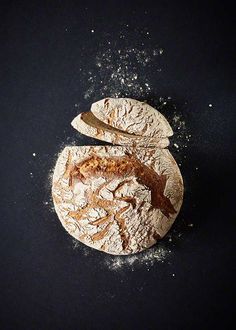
x,y
117,199
132,116
87,124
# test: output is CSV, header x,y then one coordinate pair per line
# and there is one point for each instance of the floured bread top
x,y
132,116
86,123
120,200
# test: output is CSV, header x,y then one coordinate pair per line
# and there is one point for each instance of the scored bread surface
x,y
132,116
87,124
117,199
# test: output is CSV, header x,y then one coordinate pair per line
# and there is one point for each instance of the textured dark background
x,y
45,283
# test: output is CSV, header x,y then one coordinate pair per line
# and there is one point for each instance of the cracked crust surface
x,y
87,124
132,116
117,199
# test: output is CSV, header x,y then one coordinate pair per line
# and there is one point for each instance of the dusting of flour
x,y
147,258
120,72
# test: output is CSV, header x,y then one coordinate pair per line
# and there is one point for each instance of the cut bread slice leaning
x,y
87,124
117,199
132,116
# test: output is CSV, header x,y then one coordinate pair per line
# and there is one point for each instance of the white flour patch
x,y
159,253
49,203
77,245
147,259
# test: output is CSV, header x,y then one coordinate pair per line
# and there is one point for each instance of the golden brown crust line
x,y
125,166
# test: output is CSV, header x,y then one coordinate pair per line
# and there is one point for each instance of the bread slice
x,y
117,199
132,116
87,124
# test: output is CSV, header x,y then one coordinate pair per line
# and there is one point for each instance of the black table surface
x,y
48,51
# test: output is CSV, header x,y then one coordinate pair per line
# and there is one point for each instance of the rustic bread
x,y
86,123
117,199
132,116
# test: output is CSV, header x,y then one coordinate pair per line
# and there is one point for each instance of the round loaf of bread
x,y
117,199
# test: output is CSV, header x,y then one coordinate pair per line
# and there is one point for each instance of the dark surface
x,y
45,283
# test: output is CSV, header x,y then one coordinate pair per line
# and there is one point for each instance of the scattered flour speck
x,y
146,258
77,245
115,71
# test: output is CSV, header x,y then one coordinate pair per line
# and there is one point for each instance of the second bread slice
x,y
132,116
87,124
